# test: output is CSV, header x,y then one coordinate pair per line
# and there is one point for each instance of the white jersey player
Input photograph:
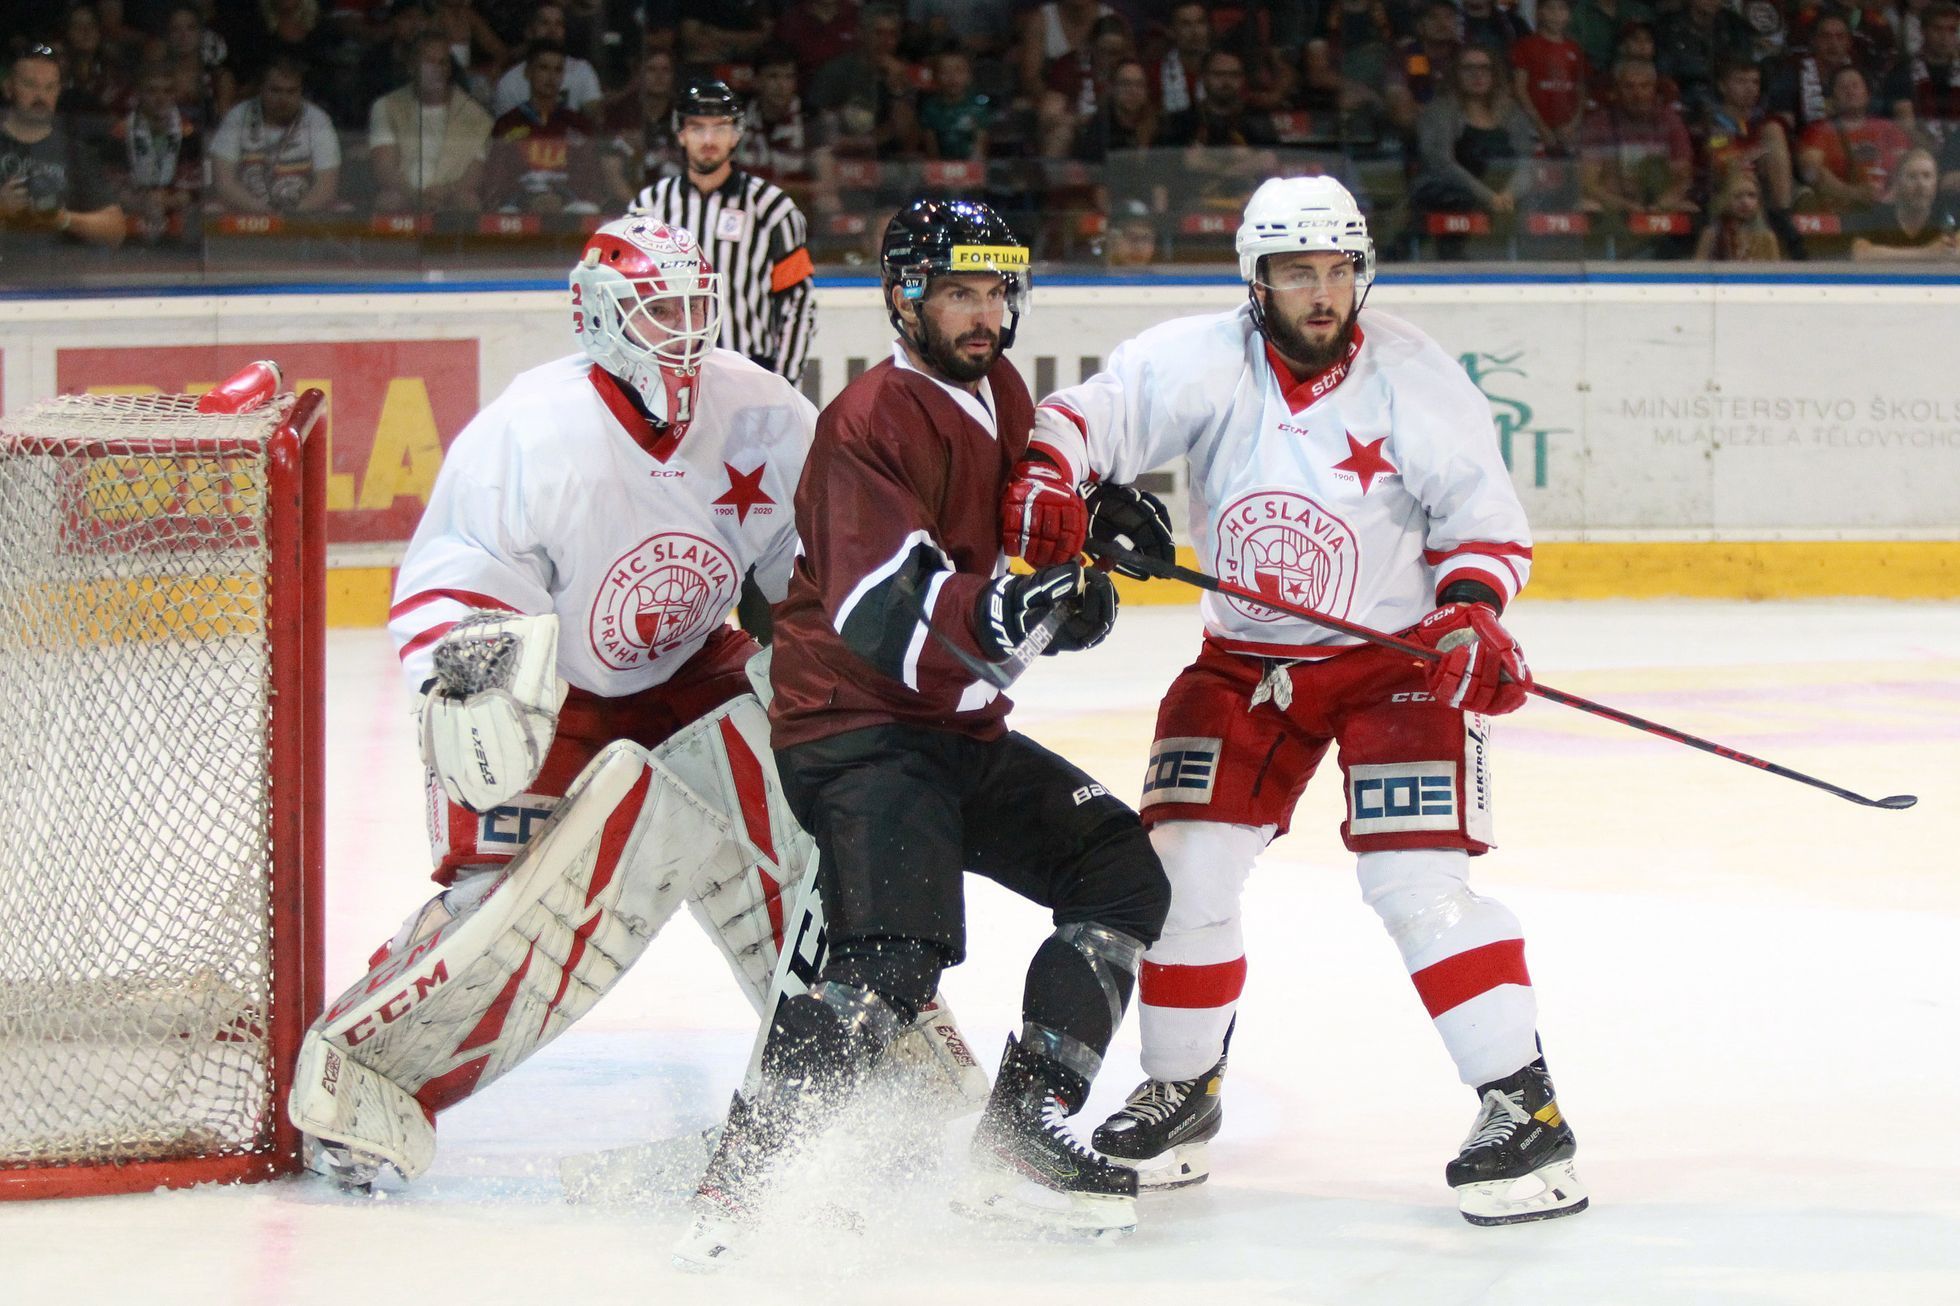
x,y
561,616
1339,461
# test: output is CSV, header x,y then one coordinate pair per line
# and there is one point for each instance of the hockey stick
x,y
1008,670
1171,571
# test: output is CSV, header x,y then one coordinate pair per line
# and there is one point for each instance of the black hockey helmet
x,y
932,237
706,97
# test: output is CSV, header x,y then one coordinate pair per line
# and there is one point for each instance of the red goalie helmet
x,y
646,306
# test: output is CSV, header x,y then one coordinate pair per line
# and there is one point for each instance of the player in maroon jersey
x,y
897,759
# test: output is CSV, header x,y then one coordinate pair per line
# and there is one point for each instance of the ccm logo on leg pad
x,y
1388,799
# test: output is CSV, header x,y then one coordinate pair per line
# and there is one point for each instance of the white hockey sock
x,y
1189,986
1464,953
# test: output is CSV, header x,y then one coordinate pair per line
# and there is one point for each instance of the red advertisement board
x,y
393,406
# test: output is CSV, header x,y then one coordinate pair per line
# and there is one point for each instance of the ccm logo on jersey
x,y
1182,770
1388,799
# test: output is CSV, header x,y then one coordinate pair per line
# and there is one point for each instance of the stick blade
x,y
1896,802
663,1171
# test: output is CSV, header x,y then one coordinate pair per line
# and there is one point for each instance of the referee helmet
x,y
706,97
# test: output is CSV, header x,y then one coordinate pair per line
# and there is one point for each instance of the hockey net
x,y
161,573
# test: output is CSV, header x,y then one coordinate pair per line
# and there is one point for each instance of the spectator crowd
x,y
1127,129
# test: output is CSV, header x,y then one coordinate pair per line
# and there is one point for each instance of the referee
x,y
753,233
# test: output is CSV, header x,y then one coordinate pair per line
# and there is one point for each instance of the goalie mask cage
x,y
162,703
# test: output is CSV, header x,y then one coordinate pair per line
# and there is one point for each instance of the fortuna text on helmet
x,y
646,307
933,237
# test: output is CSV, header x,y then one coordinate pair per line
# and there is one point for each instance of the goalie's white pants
x,y
1464,953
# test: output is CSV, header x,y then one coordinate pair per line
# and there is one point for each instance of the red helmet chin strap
x,y
679,393
664,398
670,397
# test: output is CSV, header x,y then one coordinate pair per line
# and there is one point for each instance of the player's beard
x,y
950,359
1313,356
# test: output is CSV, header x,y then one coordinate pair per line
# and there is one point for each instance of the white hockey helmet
x,y
1288,214
646,306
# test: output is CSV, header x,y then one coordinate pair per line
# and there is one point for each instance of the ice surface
x,y
1748,993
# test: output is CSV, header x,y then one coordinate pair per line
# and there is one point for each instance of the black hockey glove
x,y
1015,604
1132,519
1095,615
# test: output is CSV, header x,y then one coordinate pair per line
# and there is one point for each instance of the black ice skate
x,y
1516,1165
1029,1167
1163,1128
724,1205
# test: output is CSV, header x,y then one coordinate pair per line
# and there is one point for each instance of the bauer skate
x,y
1516,1165
1162,1130
1028,1167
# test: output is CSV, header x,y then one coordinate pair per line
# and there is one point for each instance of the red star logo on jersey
x,y
1365,461
744,491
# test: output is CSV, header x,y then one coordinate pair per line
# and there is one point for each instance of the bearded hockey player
x,y
596,753
895,754
1339,460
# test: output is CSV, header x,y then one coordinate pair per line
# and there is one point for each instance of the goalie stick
x,y
1171,571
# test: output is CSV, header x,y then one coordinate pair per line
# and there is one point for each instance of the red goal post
x,y
162,838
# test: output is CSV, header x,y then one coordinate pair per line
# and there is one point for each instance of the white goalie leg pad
x,y
724,757
464,1005
491,710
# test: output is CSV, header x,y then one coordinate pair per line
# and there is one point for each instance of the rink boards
x,y
1773,436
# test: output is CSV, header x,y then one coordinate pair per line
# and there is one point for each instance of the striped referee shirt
x,y
756,237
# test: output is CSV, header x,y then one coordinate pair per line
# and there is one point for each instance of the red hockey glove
x,y
1042,518
1482,669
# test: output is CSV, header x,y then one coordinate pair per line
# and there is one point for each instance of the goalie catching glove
x,y
1482,669
1131,519
491,709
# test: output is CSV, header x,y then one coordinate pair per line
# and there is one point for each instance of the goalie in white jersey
x,y
1340,461
561,617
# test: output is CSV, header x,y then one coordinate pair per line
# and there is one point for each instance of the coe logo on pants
x,y
1398,796
1182,770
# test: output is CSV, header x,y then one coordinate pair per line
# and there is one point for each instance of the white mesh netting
x,y
135,846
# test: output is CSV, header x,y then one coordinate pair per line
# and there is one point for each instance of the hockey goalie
x,y
596,751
